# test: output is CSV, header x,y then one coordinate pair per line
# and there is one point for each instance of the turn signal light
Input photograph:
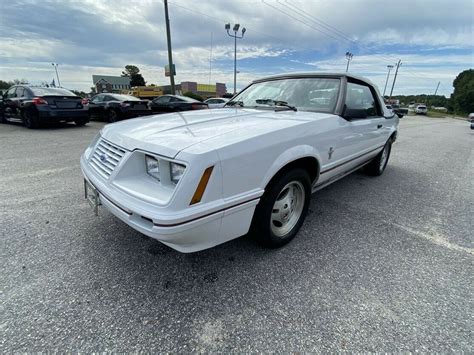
x,y
202,185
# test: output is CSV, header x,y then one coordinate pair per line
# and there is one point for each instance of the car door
x,y
369,127
161,104
10,104
96,106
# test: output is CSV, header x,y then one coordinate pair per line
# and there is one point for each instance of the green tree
x,y
194,96
463,95
132,72
4,85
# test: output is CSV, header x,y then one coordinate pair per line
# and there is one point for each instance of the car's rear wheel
x,y
377,166
2,117
112,116
81,122
31,119
282,208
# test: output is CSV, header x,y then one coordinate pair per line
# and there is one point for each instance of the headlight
x,y
176,172
152,167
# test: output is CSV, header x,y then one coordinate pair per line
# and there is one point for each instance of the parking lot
x,y
381,264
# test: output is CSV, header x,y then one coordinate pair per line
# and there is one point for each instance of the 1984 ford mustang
x,y
196,179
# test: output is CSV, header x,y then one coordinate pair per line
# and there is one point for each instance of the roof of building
x,y
111,79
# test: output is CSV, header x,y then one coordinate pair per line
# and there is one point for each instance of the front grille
x,y
106,157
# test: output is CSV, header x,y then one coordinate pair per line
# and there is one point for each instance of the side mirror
x,y
354,113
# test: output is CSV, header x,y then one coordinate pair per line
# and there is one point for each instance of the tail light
x,y
84,101
39,101
198,106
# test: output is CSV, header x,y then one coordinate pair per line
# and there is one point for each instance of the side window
x,y
163,99
97,99
360,97
20,91
108,98
11,93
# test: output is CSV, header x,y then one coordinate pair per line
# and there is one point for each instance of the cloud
x,y
92,37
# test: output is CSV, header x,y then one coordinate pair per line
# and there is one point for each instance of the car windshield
x,y
125,97
305,94
51,91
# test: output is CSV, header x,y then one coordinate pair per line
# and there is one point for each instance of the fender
x,y
288,156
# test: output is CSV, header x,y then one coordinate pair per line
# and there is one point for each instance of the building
x,y
204,90
109,83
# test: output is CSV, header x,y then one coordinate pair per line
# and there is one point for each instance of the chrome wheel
x,y
383,158
287,208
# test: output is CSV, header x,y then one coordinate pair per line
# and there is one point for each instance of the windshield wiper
x,y
276,103
233,103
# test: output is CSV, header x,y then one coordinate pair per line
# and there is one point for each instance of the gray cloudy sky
x,y
434,39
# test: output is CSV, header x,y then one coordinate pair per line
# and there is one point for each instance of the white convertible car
x,y
196,179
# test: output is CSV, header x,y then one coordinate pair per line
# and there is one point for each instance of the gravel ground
x,y
381,264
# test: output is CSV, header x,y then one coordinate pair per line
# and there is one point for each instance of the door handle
x,y
379,126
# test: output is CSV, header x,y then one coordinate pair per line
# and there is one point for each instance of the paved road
x,y
381,264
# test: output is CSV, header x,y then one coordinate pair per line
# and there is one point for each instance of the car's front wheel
x,y
282,208
81,122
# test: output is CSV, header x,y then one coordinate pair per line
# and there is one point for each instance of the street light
x,y
235,36
349,56
55,65
390,67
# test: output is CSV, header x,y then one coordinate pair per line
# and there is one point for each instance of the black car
x,y
114,107
36,105
174,103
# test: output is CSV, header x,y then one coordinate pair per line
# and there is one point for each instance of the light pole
x,y
386,81
235,29
55,65
395,77
349,56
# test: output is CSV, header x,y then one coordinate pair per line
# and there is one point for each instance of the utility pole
x,y
235,29
210,62
437,87
170,56
349,56
55,65
390,67
395,77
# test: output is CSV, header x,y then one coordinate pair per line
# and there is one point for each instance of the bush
x,y
194,96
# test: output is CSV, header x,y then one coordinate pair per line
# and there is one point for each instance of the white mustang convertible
x,y
196,179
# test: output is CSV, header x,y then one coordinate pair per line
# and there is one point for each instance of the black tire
x,y
2,117
30,119
264,224
377,166
112,116
81,122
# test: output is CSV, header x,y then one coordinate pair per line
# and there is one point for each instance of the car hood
x,y
168,134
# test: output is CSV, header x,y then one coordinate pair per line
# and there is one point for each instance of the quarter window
x,y
360,97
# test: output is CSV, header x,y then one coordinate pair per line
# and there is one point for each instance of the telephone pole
x,y
170,56
395,77
437,87
55,65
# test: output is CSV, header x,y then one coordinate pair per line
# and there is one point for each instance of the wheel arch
x,y
304,157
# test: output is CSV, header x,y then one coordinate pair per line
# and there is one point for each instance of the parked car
x,y
421,110
399,111
36,105
471,119
216,102
197,179
115,107
175,103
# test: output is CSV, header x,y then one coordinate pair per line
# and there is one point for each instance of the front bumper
x,y
181,230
